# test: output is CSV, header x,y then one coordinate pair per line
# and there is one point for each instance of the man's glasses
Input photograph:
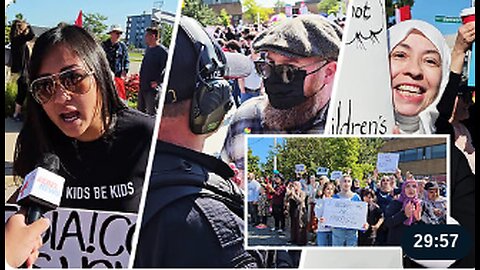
x,y
287,72
71,80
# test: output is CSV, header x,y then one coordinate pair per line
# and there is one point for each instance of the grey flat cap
x,y
304,36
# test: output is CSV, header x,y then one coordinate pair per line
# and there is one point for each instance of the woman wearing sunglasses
x,y
75,113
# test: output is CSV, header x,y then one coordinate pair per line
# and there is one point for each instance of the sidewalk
x,y
11,132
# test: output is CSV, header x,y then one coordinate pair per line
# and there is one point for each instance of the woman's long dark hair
x,y
39,134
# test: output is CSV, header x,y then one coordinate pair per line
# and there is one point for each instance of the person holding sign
x,y
74,112
298,65
22,241
419,66
324,233
341,236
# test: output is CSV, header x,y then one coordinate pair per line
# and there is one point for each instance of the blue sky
x,y
427,9
50,12
261,146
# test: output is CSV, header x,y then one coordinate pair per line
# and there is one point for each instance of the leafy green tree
x,y
8,26
355,154
253,11
201,12
331,6
19,16
94,23
253,163
225,18
166,34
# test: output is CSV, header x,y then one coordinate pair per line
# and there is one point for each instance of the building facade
x,y
423,157
136,25
135,32
233,7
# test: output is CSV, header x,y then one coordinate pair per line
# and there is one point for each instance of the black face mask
x,y
285,95
284,83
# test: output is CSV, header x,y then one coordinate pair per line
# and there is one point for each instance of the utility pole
x,y
157,12
275,155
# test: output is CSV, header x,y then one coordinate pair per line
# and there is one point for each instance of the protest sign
x,y
387,162
361,100
80,238
322,171
299,168
336,175
345,214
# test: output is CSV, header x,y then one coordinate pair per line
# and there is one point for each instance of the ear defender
x,y
212,98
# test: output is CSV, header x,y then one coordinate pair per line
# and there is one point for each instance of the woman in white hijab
x,y
419,66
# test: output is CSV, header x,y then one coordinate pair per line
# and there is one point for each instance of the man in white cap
x,y
117,55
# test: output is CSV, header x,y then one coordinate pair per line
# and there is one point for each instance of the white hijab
x,y
424,123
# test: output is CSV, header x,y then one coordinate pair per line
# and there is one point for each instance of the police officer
x,y
193,212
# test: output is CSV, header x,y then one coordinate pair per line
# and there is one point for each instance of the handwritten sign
x,y
336,175
299,168
85,239
387,162
322,171
347,214
362,98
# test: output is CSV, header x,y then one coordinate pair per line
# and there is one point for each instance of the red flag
x,y
403,14
78,21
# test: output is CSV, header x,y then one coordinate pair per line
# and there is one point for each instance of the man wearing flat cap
x,y
117,55
298,66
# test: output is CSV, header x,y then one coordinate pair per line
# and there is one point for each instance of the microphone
x,y
42,188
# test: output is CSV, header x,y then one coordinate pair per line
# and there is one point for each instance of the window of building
x,y
439,151
410,155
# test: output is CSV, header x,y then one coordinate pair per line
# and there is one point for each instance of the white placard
x,y
80,238
361,100
336,175
387,162
299,168
340,213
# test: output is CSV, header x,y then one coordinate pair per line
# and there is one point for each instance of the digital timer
x,y
436,242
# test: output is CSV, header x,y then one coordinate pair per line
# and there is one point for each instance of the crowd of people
x,y
390,199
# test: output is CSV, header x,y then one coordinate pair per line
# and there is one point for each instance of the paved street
x,y
266,237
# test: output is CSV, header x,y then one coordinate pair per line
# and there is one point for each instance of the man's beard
x,y
287,119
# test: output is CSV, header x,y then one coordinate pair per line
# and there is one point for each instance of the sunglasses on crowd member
x,y
265,68
71,80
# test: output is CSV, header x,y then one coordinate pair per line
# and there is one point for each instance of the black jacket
x,y
191,214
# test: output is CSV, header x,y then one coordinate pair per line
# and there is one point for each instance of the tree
x,y
225,18
331,6
357,154
253,163
94,23
166,34
253,11
200,12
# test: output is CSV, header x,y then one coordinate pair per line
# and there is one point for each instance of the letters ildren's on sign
x,y
361,101
347,214
387,162
80,238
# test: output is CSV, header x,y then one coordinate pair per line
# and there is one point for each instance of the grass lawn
x,y
135,56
